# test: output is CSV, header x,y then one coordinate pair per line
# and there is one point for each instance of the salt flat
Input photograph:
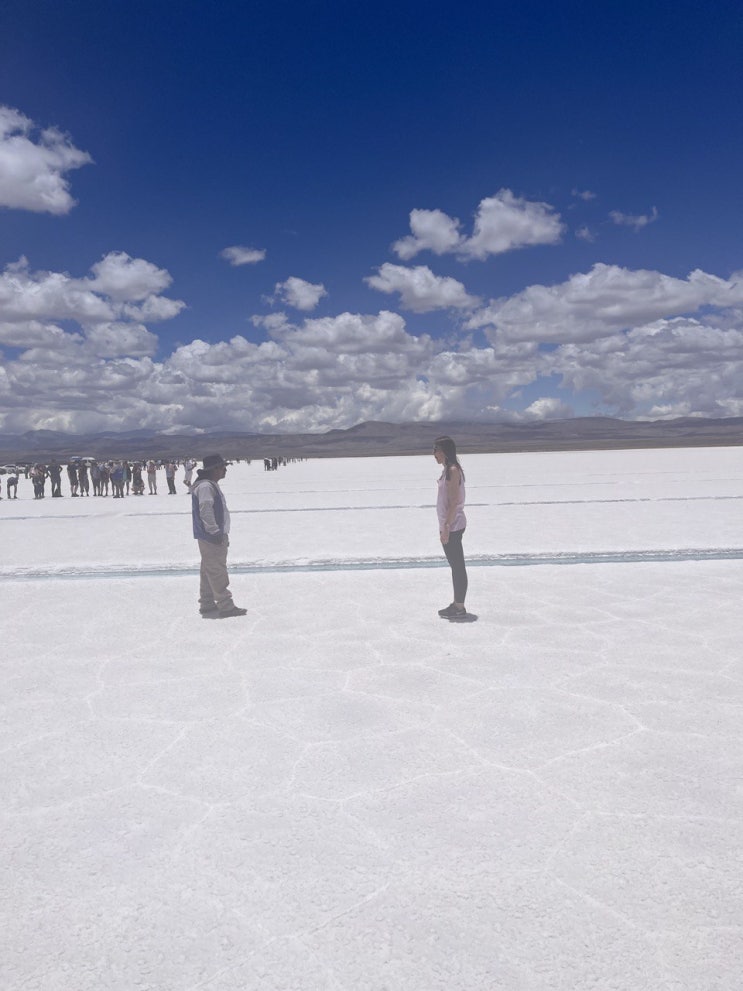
x,y
340,790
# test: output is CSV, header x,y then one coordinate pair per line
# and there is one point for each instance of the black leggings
x,y
455,557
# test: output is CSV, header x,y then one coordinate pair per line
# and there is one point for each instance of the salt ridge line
x,y
486,561
354,509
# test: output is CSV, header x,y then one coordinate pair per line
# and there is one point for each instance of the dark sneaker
x,y
232,611
448,612
458,616
209,610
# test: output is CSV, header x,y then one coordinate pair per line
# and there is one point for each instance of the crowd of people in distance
x,y
90,476
117,477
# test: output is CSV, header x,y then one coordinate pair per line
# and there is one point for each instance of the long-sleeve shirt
x,y
211,517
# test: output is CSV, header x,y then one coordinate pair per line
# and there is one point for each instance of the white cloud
x,y
625,337
33,166
585,234
355,333
153,309
335,371
483,372
324,372
635,221
548,408
108,308
433,231
32,333
420,290
320,373
677,367
270,321
583,194
109,340
26,295
124,278
502,223
121,288
239,255
299,294
606,299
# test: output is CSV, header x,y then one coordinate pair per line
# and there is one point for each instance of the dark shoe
x,y
209,610
232,611
458,616
448,612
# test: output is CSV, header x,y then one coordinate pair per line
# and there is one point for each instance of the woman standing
x,y
452,522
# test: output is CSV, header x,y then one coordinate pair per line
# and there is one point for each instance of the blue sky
x,y
282,216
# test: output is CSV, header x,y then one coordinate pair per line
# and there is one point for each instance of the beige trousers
x,y
215,582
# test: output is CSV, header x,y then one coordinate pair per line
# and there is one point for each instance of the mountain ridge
x,y
375,438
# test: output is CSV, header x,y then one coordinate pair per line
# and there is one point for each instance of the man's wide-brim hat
x,y
214,461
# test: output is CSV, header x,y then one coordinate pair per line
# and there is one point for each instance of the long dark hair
x,y
449,449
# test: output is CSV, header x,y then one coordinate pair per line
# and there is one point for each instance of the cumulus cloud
x,y
34,163
606,299
635,221
312,375
548,408
433,230
121,287
108,308
32,333
49,296
355,333
239,255
334,371
677,367
270,321
490,373
299,294
108,340
420,290
502,223
645,344
323,372
124,278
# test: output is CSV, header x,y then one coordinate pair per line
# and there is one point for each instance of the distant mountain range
x,y
374,439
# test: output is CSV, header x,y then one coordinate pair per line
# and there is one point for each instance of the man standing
x,y
72,478
82,477
170,476
55,473
211,526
